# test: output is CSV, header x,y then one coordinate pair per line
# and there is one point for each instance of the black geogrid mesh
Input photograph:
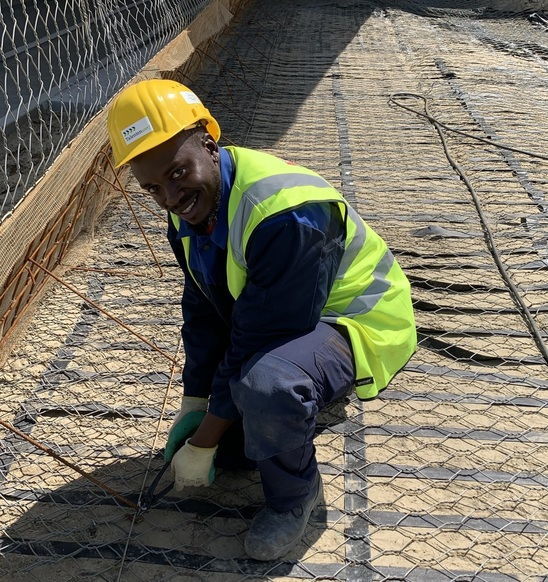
x,y
443,477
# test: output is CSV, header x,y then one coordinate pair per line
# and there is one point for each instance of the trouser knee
x,y
277,402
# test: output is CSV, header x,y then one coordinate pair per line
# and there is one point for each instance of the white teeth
x,y
190,206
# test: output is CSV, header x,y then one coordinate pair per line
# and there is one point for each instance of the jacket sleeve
x,y
291,268
205,334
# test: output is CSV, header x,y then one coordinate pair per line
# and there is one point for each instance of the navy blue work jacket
x,y
292,259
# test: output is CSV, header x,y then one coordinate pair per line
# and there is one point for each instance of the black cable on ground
x,y
426,115
488,234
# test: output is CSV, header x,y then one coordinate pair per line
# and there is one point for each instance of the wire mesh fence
x,y
444,476
60,63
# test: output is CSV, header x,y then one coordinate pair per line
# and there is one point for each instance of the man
x,y
290,300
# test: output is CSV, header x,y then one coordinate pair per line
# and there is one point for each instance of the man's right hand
x,y
190,416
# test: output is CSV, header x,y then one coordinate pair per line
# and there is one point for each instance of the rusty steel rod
x,y
131,193
132,210
64,461
105,312
106,271
147,208
32,255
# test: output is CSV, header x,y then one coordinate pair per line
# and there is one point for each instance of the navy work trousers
x,y
278,395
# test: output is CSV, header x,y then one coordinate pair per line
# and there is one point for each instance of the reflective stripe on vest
x,y
374,292
273,186
356,244
258,193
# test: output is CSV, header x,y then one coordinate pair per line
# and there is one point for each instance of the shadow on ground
x,y
258,75
75,530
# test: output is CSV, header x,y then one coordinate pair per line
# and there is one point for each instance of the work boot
x,y
272,533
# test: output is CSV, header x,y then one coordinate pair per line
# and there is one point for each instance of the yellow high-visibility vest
x,y
370,297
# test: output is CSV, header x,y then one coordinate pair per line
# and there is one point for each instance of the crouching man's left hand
x,y
193,466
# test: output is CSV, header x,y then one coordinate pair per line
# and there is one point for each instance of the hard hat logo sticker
x,y
137,130
190,97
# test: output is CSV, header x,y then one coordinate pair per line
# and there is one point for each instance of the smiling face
x,y
183,175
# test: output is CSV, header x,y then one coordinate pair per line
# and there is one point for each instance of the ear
x,y
211,146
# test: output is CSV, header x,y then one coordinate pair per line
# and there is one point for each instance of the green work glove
x,y
193,466
185,424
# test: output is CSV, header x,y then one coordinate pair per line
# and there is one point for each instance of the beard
x,y
208,224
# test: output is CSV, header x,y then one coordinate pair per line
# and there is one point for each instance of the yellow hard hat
x,y
149,113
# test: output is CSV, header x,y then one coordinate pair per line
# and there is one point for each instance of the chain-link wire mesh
x,y
60,63
444,476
